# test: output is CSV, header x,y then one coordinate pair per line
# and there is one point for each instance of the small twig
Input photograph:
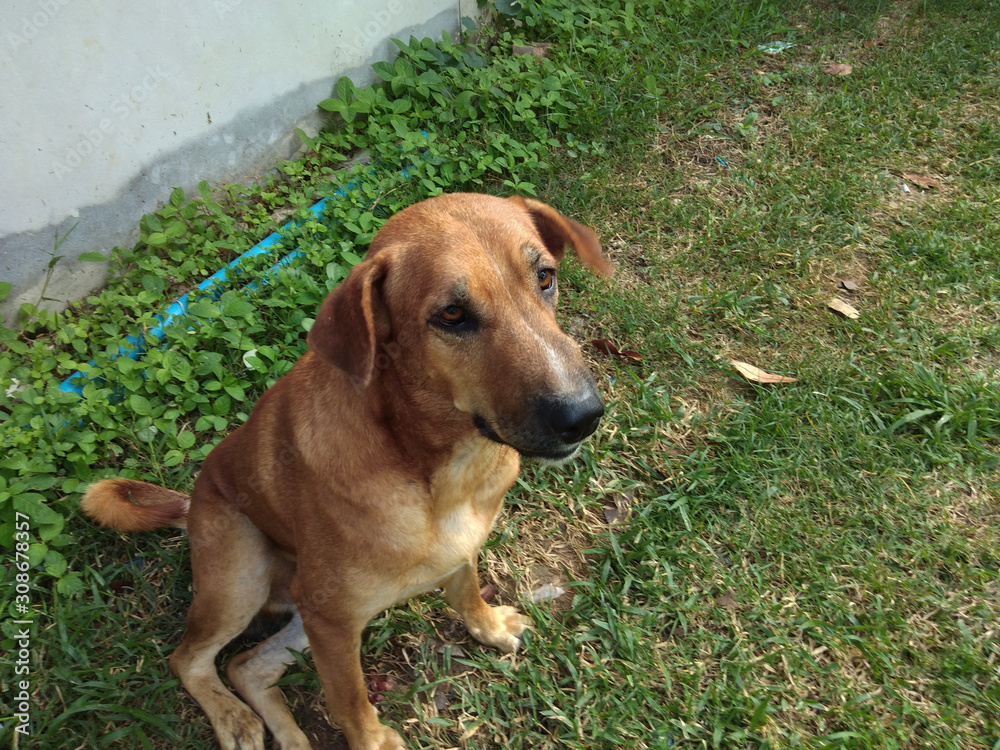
x,y
382,195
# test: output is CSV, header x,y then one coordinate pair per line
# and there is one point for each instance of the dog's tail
x,y
129,505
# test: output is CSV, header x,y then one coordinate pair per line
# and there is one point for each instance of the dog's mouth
x,y
545,456
555,460
543,438
486,430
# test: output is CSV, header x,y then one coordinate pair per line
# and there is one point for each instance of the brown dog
x,y
374,469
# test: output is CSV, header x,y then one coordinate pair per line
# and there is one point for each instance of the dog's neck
x,y
424,425
392,412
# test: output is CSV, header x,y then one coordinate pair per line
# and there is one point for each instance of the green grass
x,y
814,564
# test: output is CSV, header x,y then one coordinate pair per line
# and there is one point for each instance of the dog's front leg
x,y
336,650
500,627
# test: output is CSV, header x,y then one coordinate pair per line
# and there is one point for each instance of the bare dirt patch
x,y
706,160
547,556
974,512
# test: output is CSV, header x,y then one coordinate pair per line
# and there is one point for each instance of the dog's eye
x,y
452,315
546,279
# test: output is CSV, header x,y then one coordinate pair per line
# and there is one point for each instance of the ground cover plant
x,y
800,564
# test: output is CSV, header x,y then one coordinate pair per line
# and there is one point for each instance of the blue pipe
x,y
75,382
178,308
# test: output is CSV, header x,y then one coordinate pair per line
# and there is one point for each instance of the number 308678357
x,y
21,540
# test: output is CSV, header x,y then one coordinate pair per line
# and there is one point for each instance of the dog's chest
x,y
428,536
466,494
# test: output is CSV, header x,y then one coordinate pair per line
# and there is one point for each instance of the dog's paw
x,y
239,729
386,738
297,742
503,630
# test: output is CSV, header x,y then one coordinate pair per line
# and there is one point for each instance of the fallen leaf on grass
x,y
442,699
839,69
445,647
921,180
839,306
538,50
727,600
547,592
615,512
121,588
469,732
851,286
607,346
757,375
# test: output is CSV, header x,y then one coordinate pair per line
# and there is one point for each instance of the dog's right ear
x,y
557,230
347,326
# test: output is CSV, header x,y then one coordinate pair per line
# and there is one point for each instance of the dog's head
x,y
457,296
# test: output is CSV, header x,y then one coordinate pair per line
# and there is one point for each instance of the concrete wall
x,y
107,105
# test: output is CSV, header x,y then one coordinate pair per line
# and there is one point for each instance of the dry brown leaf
x,y
757,375
468,733
727,600
607,346
921,180
538,50
442,647
619,509
848,311
839,69
851,286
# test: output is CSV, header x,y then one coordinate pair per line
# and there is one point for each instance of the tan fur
x,y
128,505
373,471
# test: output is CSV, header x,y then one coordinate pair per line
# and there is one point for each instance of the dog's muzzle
x,y
551,428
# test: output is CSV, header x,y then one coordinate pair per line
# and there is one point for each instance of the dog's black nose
x,y
574,419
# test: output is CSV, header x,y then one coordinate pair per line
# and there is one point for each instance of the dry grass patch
x,y
971,509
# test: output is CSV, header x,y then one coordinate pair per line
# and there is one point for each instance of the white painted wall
x,y
107,105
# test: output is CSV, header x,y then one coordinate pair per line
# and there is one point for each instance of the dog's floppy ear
x,y
346,330
557,231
